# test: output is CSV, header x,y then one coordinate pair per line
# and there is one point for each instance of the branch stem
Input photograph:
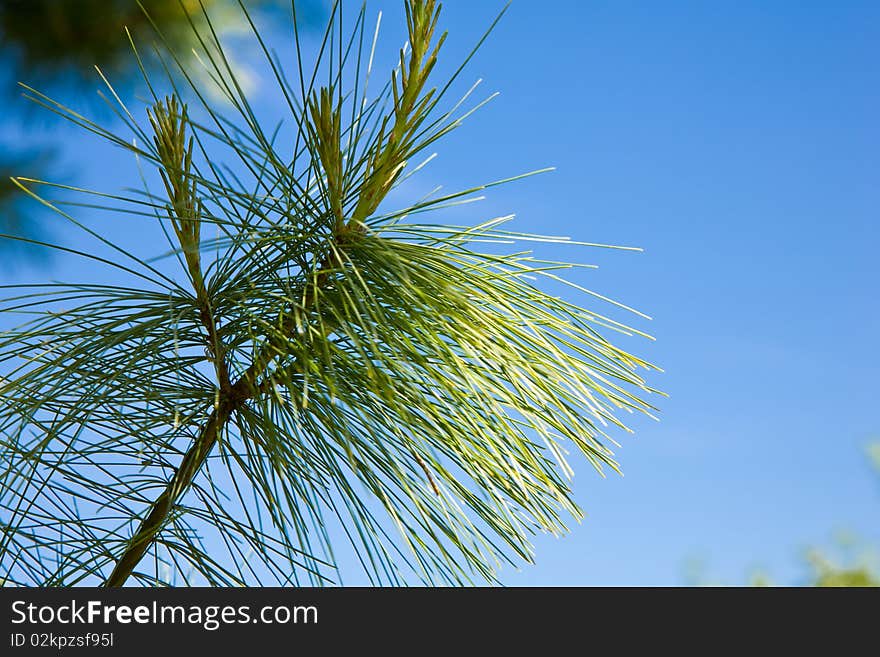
x,y
180,482
232,397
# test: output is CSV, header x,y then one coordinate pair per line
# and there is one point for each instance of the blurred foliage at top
x,y
57,44
49,38
61,41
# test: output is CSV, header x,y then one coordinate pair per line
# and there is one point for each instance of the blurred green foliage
x,y
55,44
16,218
862,567
849,563
51,37
60,41
828,574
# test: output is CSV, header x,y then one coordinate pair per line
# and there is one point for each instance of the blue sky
x,y
737,142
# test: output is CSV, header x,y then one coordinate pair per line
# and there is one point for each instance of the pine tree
x,y
307,366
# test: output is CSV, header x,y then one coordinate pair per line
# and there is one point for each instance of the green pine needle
x,y
328,372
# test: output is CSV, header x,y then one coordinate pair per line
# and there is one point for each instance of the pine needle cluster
x,y
317,371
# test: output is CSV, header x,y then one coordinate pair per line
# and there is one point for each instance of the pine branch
x,y
169,121
327,366
165,503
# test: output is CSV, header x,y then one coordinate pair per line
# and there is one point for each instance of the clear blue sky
x,y
738,143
